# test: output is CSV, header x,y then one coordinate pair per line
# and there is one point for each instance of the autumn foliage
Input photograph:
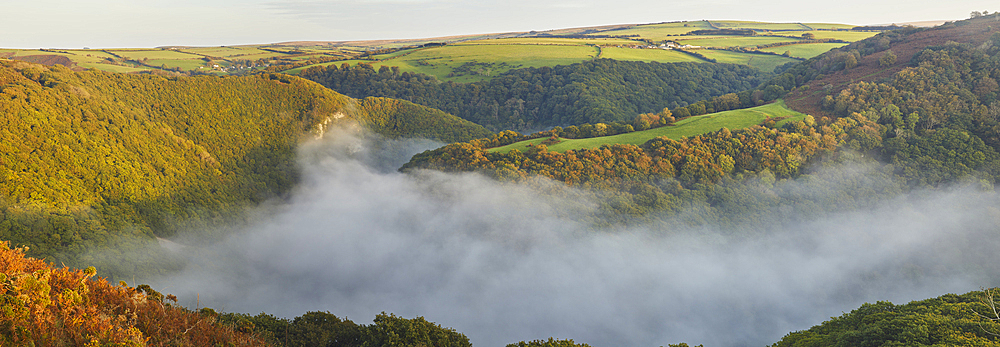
x,y
45,306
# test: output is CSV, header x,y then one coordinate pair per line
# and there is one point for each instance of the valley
x,y
712,182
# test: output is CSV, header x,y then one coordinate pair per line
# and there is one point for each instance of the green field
x,y
490,60
732,24
648,55
849,36
471,58
805,51
297,70
90,55
691,126
262,55
735,41
112,68
496,56
659,32
187,64
829,26
158,54
222,51
394,54
764,62
553,41
232,52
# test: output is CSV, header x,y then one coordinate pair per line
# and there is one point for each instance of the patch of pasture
x,y
688,127
735,41
805,50
112,68
763,62
553,41
659,32
849,36
648,55
187,64
829,26
734,24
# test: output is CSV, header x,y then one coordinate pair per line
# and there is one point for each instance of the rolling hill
x,y
470,58
688,127
90,158
94,159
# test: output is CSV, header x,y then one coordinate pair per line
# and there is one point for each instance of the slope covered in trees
x,y
933,91
327,330
87,157
948,320
599,91
931,120
729,176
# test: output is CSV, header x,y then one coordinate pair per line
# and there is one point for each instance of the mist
x,y
505,262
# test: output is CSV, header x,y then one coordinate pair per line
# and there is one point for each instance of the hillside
x,y
90,158
931,122
479,57
691,126
761,45
948,320
597,91
906,45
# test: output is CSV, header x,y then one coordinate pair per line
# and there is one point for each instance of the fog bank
x,y
503,263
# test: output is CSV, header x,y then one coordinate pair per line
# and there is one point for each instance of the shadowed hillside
x,y
87,158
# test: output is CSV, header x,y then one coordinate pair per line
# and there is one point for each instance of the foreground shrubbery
x,y
45,306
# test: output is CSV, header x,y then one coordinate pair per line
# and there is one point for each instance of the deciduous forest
x,y
602,90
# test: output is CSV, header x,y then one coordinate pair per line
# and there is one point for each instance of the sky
x,y
153,23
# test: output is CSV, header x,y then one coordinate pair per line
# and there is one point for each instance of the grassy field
x,y
233,52
829,26
648,55
188,64
554,41
763,62
394,54
660,32
113,68
297,70
490,60
734,41
157,54
91,55
849,36
691,126
223,51
733,24
805,51
466,58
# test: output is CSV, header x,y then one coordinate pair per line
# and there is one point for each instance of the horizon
x,y
109,24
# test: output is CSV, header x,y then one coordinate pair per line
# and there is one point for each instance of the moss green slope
x,y
691,126
949,320
88,157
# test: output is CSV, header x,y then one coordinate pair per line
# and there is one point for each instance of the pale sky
x,y
153,23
